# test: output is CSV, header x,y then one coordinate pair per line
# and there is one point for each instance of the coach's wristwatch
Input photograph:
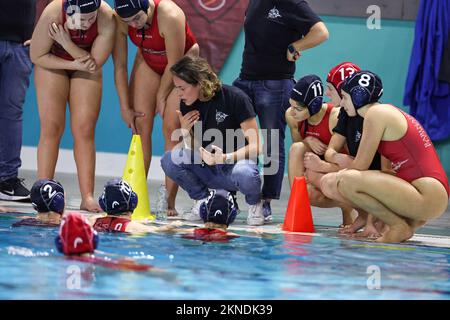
x,y
229,158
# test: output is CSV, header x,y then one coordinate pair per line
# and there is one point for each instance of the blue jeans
x,y
15,70
271,100
196,179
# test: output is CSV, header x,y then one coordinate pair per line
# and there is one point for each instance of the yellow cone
x,y
134,174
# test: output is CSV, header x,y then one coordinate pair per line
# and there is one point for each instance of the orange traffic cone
x,y
298,214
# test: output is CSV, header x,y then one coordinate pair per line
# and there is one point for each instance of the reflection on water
x,y
285,266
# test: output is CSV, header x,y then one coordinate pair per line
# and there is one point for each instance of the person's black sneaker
x,y
13,189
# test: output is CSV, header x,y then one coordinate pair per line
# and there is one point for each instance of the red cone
x,y
298,214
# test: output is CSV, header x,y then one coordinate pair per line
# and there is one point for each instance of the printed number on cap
x,y
125,188
316,87
48,188
365,80
349,69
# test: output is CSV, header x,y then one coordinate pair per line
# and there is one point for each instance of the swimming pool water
x,y
270,267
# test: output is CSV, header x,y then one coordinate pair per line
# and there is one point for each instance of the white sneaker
x,y
255,215
194,213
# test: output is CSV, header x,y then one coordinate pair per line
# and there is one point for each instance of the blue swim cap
x,y
220,208
81,6
128,8
118,197
309,91
364,87
47,195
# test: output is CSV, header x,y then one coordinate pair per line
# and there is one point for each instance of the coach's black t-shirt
x,y
351,128
270,26
222,116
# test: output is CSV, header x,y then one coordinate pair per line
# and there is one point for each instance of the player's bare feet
x,y
355,226
172,212
89,204
397,233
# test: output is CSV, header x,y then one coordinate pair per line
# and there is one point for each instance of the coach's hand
x,y
210,158
188,120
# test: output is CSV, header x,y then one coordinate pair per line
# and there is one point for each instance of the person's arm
x,y
386,166
104,42
186,123
313,143
60,34
336,144
293,126
120,60
254,148
137,227
374,127
316,35
172,23
333,119
41,42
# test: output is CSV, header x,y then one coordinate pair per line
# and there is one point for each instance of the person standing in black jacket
x,y
276,32
17,20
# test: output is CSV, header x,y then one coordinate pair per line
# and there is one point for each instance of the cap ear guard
x,y
47,195
133,201
364,87
59,245
360,96
102,202
54,200
204,206
309,92
118,197
315,104
214,200
57,203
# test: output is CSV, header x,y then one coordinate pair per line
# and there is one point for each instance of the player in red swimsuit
x,y
70,44
77,240
160,31
311,122
314,166
416,191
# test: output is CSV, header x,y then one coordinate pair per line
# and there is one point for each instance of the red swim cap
x,y
76,236
340,72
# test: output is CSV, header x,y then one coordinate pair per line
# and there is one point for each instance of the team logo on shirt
x,y
274,13
212,5
357,136
220,116
397,165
